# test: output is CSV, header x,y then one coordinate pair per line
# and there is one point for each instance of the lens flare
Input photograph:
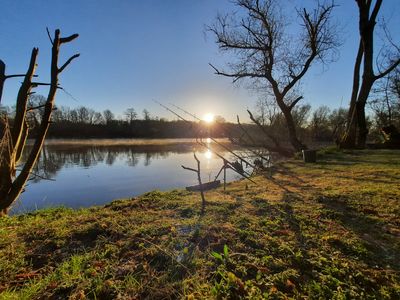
x,y
208,118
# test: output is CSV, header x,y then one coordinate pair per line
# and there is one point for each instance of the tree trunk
x,y
361,120
296,143
286,110
349,138
11,189
2,77
357,131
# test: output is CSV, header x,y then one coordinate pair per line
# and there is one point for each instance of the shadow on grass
x,y
49,249
378,248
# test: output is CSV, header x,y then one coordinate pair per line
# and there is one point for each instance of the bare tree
x,y
98,118
35,110
108,116
13,139
385,102
130,114
357,130
198,172
83,114
319,123
268,55
146,115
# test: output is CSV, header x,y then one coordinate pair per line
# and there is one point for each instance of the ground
x,y
329,230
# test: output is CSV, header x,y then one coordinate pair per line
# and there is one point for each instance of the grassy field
x,y
329,230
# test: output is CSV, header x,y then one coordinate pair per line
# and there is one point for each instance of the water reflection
x,y
87,175
54,158
208,154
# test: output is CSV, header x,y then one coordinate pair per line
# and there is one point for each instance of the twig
x,y
198,172
169,254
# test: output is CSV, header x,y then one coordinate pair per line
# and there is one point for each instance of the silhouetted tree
x,y
386,101
130,115
108,116
357,130
268,55
13,138
146,115
319,123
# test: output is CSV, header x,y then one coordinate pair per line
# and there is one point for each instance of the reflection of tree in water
x,y
155,155
110,157
46,165
147,159
55,157
132,158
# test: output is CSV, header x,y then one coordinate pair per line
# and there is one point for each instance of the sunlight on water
x,y
208,154
87,175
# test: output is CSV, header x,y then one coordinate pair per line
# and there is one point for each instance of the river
x,y
82,173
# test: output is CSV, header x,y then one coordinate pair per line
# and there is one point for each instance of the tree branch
x,y
35,107
292,105
388,70
68,62
48,34
190,169
17,75
237,75
68,38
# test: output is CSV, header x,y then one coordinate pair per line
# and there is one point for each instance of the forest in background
x,y
321,124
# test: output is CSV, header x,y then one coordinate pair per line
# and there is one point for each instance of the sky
x,y
134,52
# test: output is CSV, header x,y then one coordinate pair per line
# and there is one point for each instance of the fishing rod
x,y
207,147
252,140
242,173
240,125
214,140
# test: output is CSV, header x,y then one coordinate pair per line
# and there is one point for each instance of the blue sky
x,y
136,51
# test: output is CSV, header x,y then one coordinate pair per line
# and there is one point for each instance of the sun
x,y
208,118
208,154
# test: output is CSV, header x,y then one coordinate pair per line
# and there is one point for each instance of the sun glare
x,y
208,118
208,154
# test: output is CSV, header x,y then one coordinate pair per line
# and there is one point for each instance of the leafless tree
x,y
385,102
364,75
108,116
198,172
266,52
146,115
13,138
319,123
130,114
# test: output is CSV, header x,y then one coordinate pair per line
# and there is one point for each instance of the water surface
x,y
87,173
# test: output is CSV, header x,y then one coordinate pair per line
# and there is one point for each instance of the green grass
x,y
329,230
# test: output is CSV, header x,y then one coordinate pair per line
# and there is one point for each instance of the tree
x,y
83,114
108,116
13,138
98,118
320,123
219,119
36,104
267,54
146,115
357,130
130,114
386,101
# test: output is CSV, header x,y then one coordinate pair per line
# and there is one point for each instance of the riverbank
x,y
328,230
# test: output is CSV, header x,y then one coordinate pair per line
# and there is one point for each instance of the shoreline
x,y
326,229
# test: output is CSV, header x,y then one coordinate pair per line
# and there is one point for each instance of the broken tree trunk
x,y
11,185
198,172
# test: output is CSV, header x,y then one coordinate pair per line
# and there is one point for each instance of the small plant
x,y
222,257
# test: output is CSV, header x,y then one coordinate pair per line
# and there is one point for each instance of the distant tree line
x,y
321,125
85,122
